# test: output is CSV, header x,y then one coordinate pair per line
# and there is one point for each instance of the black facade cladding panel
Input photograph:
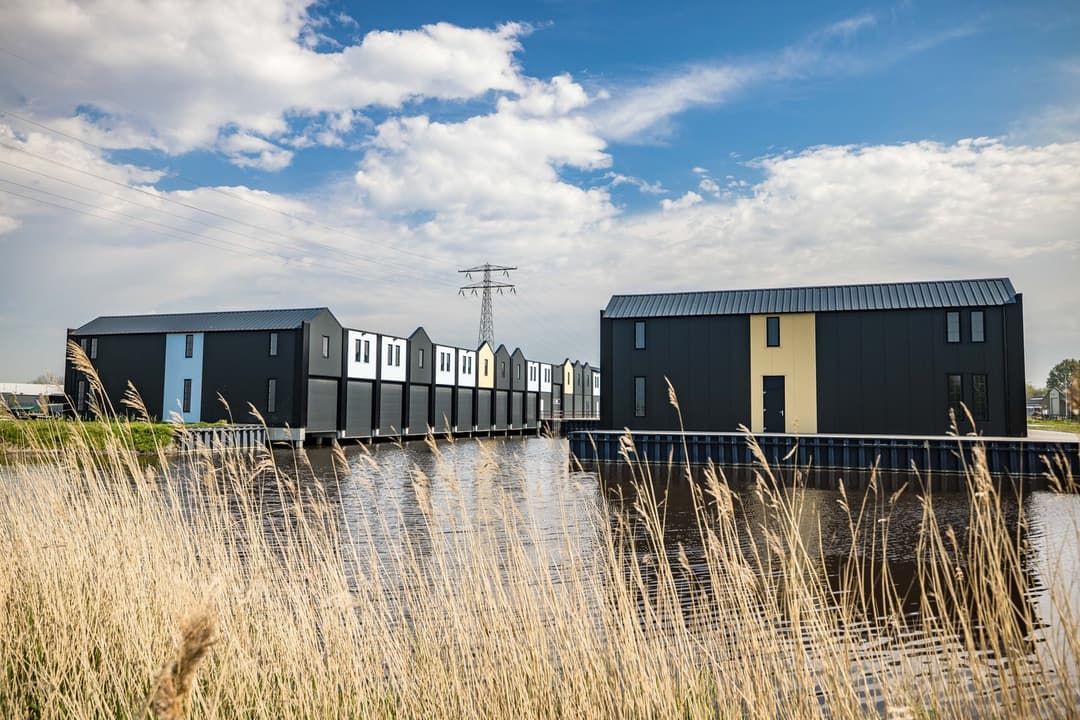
x,y
421,373
322,403
238,366
868,384
419,399
391,404
139,359
519,369
464,419
544,409
323,325
1014,395
359,406
444,409
517,401
706,358
483,409
501,410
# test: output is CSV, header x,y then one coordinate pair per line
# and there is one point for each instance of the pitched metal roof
x,y
200,322
885,296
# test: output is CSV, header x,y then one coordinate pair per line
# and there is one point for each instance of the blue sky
x,y
356,155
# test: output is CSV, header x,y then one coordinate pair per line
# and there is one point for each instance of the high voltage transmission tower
x,y
487,314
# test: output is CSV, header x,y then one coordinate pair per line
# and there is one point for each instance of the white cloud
x,y
245,150
688,200
170,76
709,185
656,188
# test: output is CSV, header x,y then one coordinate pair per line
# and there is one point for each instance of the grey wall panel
x,y
238,366
391,404
518,370
544,411
322,405
531,400
502,368
419,397
517,414
444,409
323,324
358,408
501,400
483,409
421,374
464,420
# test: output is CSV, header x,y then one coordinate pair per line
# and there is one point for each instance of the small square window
x,y
326,346
772,331
639,335
189,347
978,330
952,326
273,344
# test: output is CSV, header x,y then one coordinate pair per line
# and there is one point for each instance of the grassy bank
x,y
231,587
1072,426
53,434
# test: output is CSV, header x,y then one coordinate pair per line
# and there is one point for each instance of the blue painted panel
x,y
179,368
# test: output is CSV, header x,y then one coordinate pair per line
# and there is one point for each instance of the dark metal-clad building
x,y
501,406
889,359
420,377
181,364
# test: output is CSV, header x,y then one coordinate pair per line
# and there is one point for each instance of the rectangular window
x,y
80,396
502,369
952,327
326,346
271,395
420,357
517,372
397,356
639,396
980,409
485,367
83,344
978,331
956,394
189,347
639,335
367,351
93,348
186,405
359,352
772,331
273,344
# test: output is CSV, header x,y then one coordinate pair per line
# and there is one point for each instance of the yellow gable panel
x,y
796,360
485,367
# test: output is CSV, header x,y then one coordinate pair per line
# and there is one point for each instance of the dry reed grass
x,y
319,613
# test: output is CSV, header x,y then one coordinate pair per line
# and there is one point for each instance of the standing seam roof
x,y
237,321
884,296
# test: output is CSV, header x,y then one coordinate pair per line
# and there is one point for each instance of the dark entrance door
x,y
773,385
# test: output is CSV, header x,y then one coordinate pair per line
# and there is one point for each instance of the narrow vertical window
x,y
978,331
186,403
420,357
80,396
956,393
326,346
952,327
517,372
84,344
359,353
639,396
271,395
502,369
273,344
189,346
639,335
485,367
93,348
772,331
397,356
367,351
980,407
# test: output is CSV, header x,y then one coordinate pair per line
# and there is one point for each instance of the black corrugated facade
x,y
883,358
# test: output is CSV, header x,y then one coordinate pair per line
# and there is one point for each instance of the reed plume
x,y
172,690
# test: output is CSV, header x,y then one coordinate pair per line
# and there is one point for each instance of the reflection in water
x,y
415,499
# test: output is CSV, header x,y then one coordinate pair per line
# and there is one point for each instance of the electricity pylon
x,y
487,311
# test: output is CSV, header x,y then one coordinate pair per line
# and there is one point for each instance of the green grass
x,y
1072,426
54,433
